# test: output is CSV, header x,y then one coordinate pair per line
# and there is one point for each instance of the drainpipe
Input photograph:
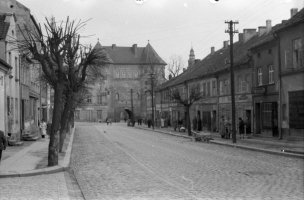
x,y
20,98
280,87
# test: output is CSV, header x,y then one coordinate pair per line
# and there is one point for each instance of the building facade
x,y
10,55
24,105
291,58
125,90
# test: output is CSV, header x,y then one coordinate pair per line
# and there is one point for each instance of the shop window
x,y
296,109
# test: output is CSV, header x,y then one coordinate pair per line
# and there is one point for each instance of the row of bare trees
x,y
68,66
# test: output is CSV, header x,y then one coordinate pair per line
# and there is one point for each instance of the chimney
x,y
212,50
225,44
113,46
170,76
268,25
134,48
262,30
293,11
241,37
249,33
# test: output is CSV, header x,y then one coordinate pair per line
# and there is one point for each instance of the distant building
x,y
126,87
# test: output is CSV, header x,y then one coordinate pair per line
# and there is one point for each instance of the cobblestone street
x,y
119,162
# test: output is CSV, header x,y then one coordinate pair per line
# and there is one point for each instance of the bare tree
x,y
65,63
187,99
175,65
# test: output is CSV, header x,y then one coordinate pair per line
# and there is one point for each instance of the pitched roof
x,y
4,26
214,63
296,19
132,55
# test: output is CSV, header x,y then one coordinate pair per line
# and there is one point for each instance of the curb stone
x,y
62,166
286,154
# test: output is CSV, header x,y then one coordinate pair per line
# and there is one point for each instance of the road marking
x,y
147,168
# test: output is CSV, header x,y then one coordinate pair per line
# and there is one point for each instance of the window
x,y
227,87
89,99
259,55
214,88
99,99
208,88
16,67
270,51
260,76
297,53
221,87
248,82
270,74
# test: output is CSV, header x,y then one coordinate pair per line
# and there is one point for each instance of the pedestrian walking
x,y
222,127
3,143
241,127
43,129
107,120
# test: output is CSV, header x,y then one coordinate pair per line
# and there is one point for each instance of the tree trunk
x,y
188,120
65,119
54,133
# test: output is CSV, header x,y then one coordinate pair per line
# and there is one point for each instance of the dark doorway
x,y
214,121
258,118
274,119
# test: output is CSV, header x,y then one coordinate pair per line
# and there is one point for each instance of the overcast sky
x,y
172,26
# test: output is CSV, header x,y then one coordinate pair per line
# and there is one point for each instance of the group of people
x,y
225,127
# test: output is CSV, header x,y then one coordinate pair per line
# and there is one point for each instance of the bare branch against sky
x,y
170,25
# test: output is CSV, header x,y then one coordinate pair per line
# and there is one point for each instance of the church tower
x,y
191,58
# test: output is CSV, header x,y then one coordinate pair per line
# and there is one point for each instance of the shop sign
x,y
259,90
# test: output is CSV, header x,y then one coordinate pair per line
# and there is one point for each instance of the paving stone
x,y
119,162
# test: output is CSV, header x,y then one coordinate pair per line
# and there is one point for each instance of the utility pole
x,y
231,30
132,110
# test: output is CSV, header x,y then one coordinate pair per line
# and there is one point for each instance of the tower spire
x,y
191,57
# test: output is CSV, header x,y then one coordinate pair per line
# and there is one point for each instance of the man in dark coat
x,y
241,127
2,143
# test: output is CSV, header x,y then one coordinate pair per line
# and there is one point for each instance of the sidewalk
x,y
31,158
267,145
